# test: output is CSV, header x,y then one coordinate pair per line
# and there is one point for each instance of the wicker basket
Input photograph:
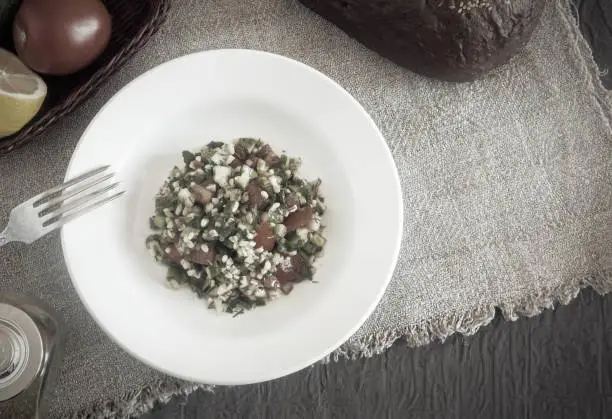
x,y
134,22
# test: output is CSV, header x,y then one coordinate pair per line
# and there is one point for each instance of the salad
x,y
238,225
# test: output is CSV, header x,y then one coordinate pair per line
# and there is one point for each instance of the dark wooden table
x,y
556,365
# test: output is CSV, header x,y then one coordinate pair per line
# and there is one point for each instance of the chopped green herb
x,y
188,157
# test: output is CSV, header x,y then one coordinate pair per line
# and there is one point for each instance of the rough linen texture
x,y
507,187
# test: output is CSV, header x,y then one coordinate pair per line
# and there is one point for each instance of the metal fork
x,y
57,206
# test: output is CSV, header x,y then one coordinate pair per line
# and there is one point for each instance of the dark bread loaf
x,y
455,40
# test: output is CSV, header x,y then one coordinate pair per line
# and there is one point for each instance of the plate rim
x,y
339,341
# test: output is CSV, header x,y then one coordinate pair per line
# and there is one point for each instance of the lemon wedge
x,y
22,93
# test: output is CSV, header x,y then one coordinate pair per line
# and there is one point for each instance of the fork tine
x,y
78,203
36,200
82,187
52,225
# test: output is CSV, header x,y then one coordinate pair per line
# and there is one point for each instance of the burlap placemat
x,y
507,187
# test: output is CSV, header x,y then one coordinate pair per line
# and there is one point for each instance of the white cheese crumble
x,y
221,175
245,177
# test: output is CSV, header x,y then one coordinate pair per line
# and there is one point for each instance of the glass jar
x,y
30,354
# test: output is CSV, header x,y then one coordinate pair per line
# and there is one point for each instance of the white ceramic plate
x,y
223,95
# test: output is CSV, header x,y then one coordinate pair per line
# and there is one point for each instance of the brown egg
x,y
60,37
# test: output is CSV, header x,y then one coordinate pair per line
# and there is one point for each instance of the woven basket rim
x,y
150,24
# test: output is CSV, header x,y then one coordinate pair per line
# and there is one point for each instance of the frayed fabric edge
x,y
470,322
142,401
588,67
439,329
